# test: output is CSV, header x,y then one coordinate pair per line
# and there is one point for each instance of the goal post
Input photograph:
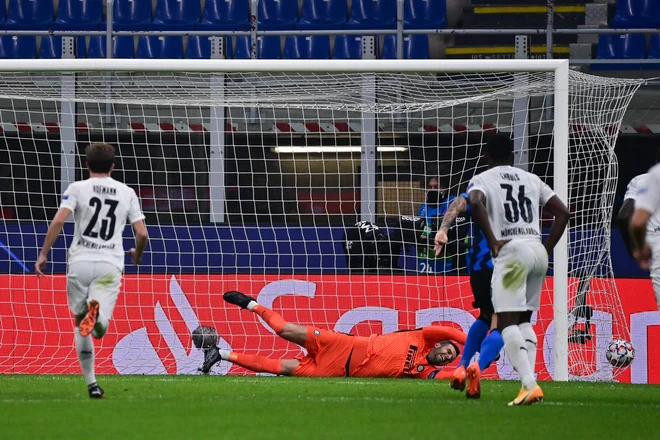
x,y
312,116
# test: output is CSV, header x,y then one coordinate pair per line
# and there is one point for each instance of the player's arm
x,y
480,216
54,230
136,218
561,216
623,221
437,374
458,206
438,333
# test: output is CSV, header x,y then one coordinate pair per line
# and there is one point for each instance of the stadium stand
x,y
198,48
268,48
51,47
132,15
348,47
83,15
18,47
29,14
160,47
415,47
636,14
122,47
323,14
278,14
176,15
307,47
372,14
631,46
425,14
226,15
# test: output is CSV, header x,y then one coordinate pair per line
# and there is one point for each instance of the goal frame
x,y
560,68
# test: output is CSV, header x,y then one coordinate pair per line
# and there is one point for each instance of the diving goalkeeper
x,y
406,354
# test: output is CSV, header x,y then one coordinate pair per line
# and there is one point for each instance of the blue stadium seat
x,y
425,14
3,16
132,15
83,15
372,14
160,47
415,47
200,48
228,15
29,14
176,14
18,47
636,14
278,14
268,47
307,47
348,47
51,47
122,47
323,14
614,47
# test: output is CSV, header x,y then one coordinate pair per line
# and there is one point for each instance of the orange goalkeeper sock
x,y
259,364
273,319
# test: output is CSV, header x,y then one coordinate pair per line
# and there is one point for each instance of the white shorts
x,y
97,280
518,275
655,267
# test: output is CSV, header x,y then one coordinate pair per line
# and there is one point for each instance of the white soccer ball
x,y
620,353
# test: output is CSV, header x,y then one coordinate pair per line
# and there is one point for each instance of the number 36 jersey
x,y
101,206
513,197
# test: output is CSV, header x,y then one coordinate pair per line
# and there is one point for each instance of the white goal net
x,y
255,181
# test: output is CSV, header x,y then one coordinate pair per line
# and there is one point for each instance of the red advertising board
x,y
155,314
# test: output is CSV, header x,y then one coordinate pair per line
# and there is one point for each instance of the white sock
x,y
224,354
101,326
516,351
528,334
251,304
85,350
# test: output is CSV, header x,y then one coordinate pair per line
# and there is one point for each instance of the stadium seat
x,y
268,48
82,15
425,14
415,47
372,14
348,47
614,47
176,14
323,14
29,14
278,14
228,15
51,47
200,48
3,17
132,15
305,47
636,14
18,47
122,47
160,47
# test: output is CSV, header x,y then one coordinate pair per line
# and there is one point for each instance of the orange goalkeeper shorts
x,y
328,354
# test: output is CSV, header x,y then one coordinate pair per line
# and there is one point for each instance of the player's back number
x,y
107,229
517,206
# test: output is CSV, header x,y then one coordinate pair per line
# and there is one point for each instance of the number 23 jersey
x,y
101,206
513,197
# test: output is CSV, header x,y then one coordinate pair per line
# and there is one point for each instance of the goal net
x,y
254,176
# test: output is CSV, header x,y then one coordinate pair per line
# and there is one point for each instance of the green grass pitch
x,y
189,407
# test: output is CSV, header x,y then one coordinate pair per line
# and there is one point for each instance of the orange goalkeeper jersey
x,y
403,354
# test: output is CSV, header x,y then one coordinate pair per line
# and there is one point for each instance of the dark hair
x,y
445,343
499,148
100,157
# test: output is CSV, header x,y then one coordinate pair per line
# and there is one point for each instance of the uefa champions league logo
x,y
135,354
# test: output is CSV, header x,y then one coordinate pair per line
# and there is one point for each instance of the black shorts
x,y
480,283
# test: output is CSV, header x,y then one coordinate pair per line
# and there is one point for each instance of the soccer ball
x,y
620,353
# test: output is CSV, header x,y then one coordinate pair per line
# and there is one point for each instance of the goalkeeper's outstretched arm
x,y
458,206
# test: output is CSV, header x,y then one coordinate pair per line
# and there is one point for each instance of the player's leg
x,y
655,272
535,281
103,292
256,363
78,280
291,332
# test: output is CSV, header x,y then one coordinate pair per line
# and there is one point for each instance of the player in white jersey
x,y
638,188
505,204
100,206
